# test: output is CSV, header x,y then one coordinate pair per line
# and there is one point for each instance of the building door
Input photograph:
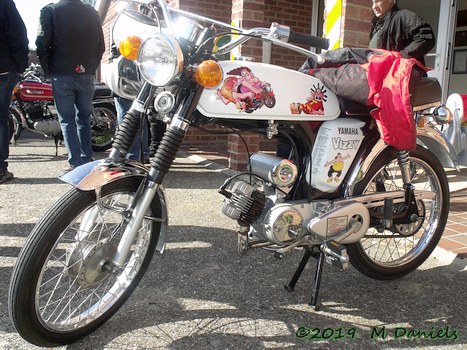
x,y
441,15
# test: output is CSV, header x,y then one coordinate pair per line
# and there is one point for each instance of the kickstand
x,y
319,256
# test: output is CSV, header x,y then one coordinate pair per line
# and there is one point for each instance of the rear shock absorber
x,y
404,164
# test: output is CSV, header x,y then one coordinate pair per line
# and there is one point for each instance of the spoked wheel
x,y
14,124
64,285
104,125
399,250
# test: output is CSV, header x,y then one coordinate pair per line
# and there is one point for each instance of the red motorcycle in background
x,y
33,108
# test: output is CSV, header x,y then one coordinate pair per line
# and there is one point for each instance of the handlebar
x,y
309,40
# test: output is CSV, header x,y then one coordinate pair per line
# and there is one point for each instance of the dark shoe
x,y
5,176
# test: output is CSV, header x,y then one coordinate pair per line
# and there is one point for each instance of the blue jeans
x,y
7,83
73,97
122,105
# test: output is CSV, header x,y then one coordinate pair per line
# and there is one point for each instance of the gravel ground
x,y
202,294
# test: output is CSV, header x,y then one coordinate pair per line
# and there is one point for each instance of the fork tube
x,y
160,166
134,223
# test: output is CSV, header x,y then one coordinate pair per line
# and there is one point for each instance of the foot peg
x,y
336,255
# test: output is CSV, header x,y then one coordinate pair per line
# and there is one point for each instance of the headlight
x,y
160,59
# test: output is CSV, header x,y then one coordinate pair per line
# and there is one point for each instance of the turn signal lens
x,y
129,47
209,74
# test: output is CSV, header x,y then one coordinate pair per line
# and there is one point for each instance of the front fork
x,y
160,164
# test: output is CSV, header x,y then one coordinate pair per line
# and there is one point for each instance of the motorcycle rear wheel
x,y
104,126
394,253
59,290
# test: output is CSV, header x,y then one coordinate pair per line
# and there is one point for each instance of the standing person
x,y
122,105
70,45
396,29
14,53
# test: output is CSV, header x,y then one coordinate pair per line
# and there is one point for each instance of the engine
x,y
258,202
42,117
34,110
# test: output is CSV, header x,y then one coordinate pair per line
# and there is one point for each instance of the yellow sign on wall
x,y
332,26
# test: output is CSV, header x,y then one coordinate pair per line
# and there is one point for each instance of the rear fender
x,y
94,175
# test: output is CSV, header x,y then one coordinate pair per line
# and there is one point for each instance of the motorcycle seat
x,y
101,90
427,94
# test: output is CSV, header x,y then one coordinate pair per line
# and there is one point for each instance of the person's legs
x,y
122,105
84,96
7,83
64,96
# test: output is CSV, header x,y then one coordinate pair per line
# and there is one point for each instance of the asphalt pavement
x,y
202,294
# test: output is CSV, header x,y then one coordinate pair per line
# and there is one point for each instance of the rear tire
x,y
60,290
394,253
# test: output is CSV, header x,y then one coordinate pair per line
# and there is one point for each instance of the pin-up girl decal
x,y
246,91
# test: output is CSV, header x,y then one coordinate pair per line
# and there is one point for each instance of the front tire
x,y
60,288
394,253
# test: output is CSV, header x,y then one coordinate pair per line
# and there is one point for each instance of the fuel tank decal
x,y
246,91
314,103
261,91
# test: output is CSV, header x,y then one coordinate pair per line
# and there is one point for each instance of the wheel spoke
x,y
405,245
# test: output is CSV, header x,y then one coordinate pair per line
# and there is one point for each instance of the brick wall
x,y
296,14
356,16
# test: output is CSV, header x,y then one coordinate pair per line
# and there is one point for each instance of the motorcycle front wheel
x,y
104,125
14,122
63,285
399,250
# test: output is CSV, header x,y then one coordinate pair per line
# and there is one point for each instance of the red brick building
x,y
298,15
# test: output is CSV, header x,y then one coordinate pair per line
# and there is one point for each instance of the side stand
x,y
316,253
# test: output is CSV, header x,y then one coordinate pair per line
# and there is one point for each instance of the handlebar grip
x,y
310,40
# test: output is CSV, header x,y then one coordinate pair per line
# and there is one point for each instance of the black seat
x,y
428,92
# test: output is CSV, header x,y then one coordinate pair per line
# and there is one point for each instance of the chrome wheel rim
x,y
75,286
408,241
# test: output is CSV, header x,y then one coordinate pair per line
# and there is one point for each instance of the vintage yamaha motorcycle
x,y
33,108
342,196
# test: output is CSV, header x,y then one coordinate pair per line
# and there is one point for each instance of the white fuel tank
x,y
262,91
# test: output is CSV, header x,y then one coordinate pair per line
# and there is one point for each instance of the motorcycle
x,y
33,108
377,207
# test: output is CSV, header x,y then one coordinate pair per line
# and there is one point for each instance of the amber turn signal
x,y
129,47
208,74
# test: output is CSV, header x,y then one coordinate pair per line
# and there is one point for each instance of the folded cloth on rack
x,y
374,77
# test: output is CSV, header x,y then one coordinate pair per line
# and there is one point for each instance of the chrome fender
x,y
437,143
427,137
96,174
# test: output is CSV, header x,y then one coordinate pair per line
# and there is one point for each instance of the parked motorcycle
x,y
33,108
344,195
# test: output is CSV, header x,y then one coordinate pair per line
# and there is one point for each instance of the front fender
x,y
96,174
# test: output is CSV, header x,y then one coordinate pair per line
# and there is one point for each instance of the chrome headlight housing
x,y
160,59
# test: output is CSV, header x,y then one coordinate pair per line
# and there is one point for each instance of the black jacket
x,y
14,42
404,31
70,39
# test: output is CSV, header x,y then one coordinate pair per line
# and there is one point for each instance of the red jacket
x,y
388,77
374,77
